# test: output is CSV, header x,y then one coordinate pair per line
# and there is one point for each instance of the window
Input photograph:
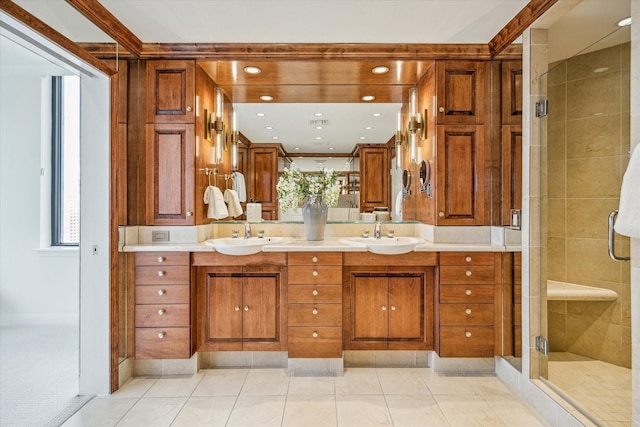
x,y
65,161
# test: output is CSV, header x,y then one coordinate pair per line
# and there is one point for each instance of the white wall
x,y
35,287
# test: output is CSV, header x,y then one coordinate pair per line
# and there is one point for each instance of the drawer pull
x,y
161,259
468,273
468,311
467,334
384,308
468,292
393,308
160,273
315,292
314,311
315,273
468,259
161,292
161,334
314,334
161,312
236,308
246,308
314,259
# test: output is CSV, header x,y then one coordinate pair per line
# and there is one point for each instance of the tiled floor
x,y
268,397
602,389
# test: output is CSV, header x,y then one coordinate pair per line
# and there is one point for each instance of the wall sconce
x,y
415,125
218,127
399,142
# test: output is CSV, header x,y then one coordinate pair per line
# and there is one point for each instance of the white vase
x,y
314,214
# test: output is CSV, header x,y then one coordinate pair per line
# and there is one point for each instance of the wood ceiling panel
x,y
316,93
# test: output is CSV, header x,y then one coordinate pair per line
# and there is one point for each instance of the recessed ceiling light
x,y
268,127
376,114
318,114
601,70
368,127
368,98
331,148
266,98
274,137
296,148
624,22
319,127
318,137
380,69
252,70
362,137
260,114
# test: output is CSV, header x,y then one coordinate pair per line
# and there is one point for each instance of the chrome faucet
x,y
376,232
247,230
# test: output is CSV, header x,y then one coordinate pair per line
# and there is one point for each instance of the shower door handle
x,y
612,247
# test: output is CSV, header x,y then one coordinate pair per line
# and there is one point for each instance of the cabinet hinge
x,y
542,345
542,108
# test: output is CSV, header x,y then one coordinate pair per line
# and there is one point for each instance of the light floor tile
x,y
358,381
512,411
266,382
447,385
415,411
310,411
259,411
402,381
153,412
362,410
101,412
137,387
468,411
205,412
311,386
182,386
221,382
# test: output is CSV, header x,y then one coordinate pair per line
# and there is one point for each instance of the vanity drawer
x,y
159,294
312,258
466,314
162,258
157,315
315,293
169,274
315,274
315,314
315,342
467,293
466,341
162,343
466,258
462,275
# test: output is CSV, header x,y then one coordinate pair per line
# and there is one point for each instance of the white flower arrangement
x,y
294,187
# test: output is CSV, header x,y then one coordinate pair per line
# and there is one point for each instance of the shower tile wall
x,y
588,149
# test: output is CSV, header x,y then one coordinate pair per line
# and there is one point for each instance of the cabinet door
x,y
460,174
406,308
511,171
263,179
370,308
374,176
171,91
224,298
260,307
512,93
170,174
460,88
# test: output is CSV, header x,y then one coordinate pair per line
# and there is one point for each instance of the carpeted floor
x,y
38,375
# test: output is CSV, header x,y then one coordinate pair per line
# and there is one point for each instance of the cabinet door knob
x,y
315,292
236,308
468,259
393,308
161,259
160,273
441,214
161,334
161,312
189,213
189,108
468,273
314,259
468,311
161,292
314,311
467,334
246,308
468,292
314,334
441,109
384,308
314,273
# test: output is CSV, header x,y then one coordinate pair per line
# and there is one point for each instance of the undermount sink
x,y
385,245
240,246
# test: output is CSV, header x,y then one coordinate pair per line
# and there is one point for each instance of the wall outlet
x,y
160,236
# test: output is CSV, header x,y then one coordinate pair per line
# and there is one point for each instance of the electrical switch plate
x,y
160,236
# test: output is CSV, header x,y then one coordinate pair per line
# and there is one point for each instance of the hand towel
x,y
213,197
628,221
239,186
231,199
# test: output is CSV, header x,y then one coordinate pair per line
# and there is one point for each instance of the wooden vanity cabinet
x,y
163,315
241,301
468,308
315,304
388,301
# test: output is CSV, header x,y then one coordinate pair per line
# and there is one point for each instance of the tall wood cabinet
x,y
374,177
263,177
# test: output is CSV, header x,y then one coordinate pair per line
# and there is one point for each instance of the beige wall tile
x,y
587,218
557,103
557,73
556,181
625,94
557,330
593,63
595,339
593,177
593,137
588,258
557,260
596,95
556,226
556,142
